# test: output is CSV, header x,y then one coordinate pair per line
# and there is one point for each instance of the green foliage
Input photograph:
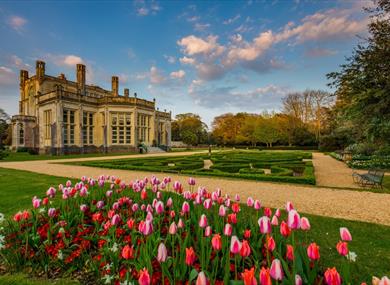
x,y
190,129
3,154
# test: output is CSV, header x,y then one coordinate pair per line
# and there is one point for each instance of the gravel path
x,y
348,204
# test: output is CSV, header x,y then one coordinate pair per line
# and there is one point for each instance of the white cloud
x,y
187,60
180,74
232,20
7,76
193,45
17,23
144,8
156,76
170,59
69,60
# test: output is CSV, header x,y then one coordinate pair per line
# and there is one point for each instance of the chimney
x,y
80,74
40,69
126,92
114,85
135,94
23,77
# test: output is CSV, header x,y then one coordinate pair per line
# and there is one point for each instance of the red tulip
x,y
144,277
190,256
248,276
235,245
247,234
284,229
276,270
127,252
313,251
332,277
267,212
236,207
245,249
144,194
342,248
345,234
232,218
290,252
270,243
216,242
265,277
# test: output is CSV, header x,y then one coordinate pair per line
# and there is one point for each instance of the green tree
x,y
4,127
189,123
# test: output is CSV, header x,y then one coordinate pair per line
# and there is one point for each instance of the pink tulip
x,y
277,213
207,204
180,224
51,192
345,234
177,186
298,280
185,208
332,277
265,225
342,248
68,183
235,245
250,202
264,276
227,231
172,229
289,206
274,221
305,224
84,208
148,228
293,220
51,212
191,181
227,202
116,219
216,242
384,281
313,251
276,270
159,195
201,280
162,253
109,193
267,212
203,221
208,231
237,197
100,204
36,202
159,207
222,211
169,202
135,207
257,205
144,277
115,206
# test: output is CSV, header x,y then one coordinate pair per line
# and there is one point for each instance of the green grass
x,y
370,241
25,156
22,279
230,164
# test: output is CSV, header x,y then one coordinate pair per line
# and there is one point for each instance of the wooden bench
x,y
372,178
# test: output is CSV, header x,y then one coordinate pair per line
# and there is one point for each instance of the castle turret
x,y
114,85
126,92
23,77
80,74
40,69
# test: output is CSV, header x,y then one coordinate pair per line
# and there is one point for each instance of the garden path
x,y
338,203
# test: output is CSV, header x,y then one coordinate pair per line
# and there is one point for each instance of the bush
x,y
383,151
362,148
3,154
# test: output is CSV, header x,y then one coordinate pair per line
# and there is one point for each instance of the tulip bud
x,y
203,221
275,221
265,225
144,277
185,208
290,252
180,224
222,211
235,245
245,250
190,256
227,231
305,224
162,253
216,242
289,206
116,219
172,228
345,234
257,205
332,277
250,202
265,277
293,220
201,280
208,231
342,248
276,270
313,251
159,207
51,212
298,280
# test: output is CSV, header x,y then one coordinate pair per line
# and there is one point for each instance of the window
x,y
87,128
69,126
120,128
47,123
144,127
21,134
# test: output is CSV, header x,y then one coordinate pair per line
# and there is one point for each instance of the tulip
x,y
293,220
51,212
384,281
36,202
190,256
177,186
130,223
216,242
100,204
235,245
236,207
265,277
84,208
245,250
222,211
83,192
115,206
247,234
208,231
109,194
172,229
250,202
203,221
276,270
191,181
185,208
298,280
180,224
265,225
162,253
227,231
148,228
116,219
169,202
274,221
267,212
345,234
257,205
332,277
201,280
313,251
232,218
305,224
227,202
342,248
289,206
207,204
159,207
144,194
277,213
248,276
270,243
284,229
51,192
127,252
290,252
375,280
144,277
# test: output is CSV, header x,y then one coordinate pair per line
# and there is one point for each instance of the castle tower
x,y
114,85
40,69
80,74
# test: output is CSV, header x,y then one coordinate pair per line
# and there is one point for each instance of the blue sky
x,y
203,57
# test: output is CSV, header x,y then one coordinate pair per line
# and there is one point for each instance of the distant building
x,y
59,116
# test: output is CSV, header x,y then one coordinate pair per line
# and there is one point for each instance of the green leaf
x,y
193,275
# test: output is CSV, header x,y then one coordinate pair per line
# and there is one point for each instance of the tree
x,y
226,128
267,130
4,127
189,126
363,83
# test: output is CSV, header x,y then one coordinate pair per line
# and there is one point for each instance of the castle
x,y
59,116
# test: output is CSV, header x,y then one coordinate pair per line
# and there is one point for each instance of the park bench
x,y
372,178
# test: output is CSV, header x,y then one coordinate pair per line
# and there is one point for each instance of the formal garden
x,y
289,167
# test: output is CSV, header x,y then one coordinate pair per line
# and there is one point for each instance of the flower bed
x,y
117,233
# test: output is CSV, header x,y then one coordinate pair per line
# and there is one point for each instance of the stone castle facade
x,y
59,116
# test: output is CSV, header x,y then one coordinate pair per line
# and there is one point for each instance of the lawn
x,y
25,156
369,240
286,166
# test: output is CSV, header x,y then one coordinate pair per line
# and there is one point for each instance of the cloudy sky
x,y
203,57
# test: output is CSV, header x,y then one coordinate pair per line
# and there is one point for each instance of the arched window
x,y
21,134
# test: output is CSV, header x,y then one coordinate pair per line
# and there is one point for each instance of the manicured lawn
x,y
287,166
370,241
22,279
25,156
